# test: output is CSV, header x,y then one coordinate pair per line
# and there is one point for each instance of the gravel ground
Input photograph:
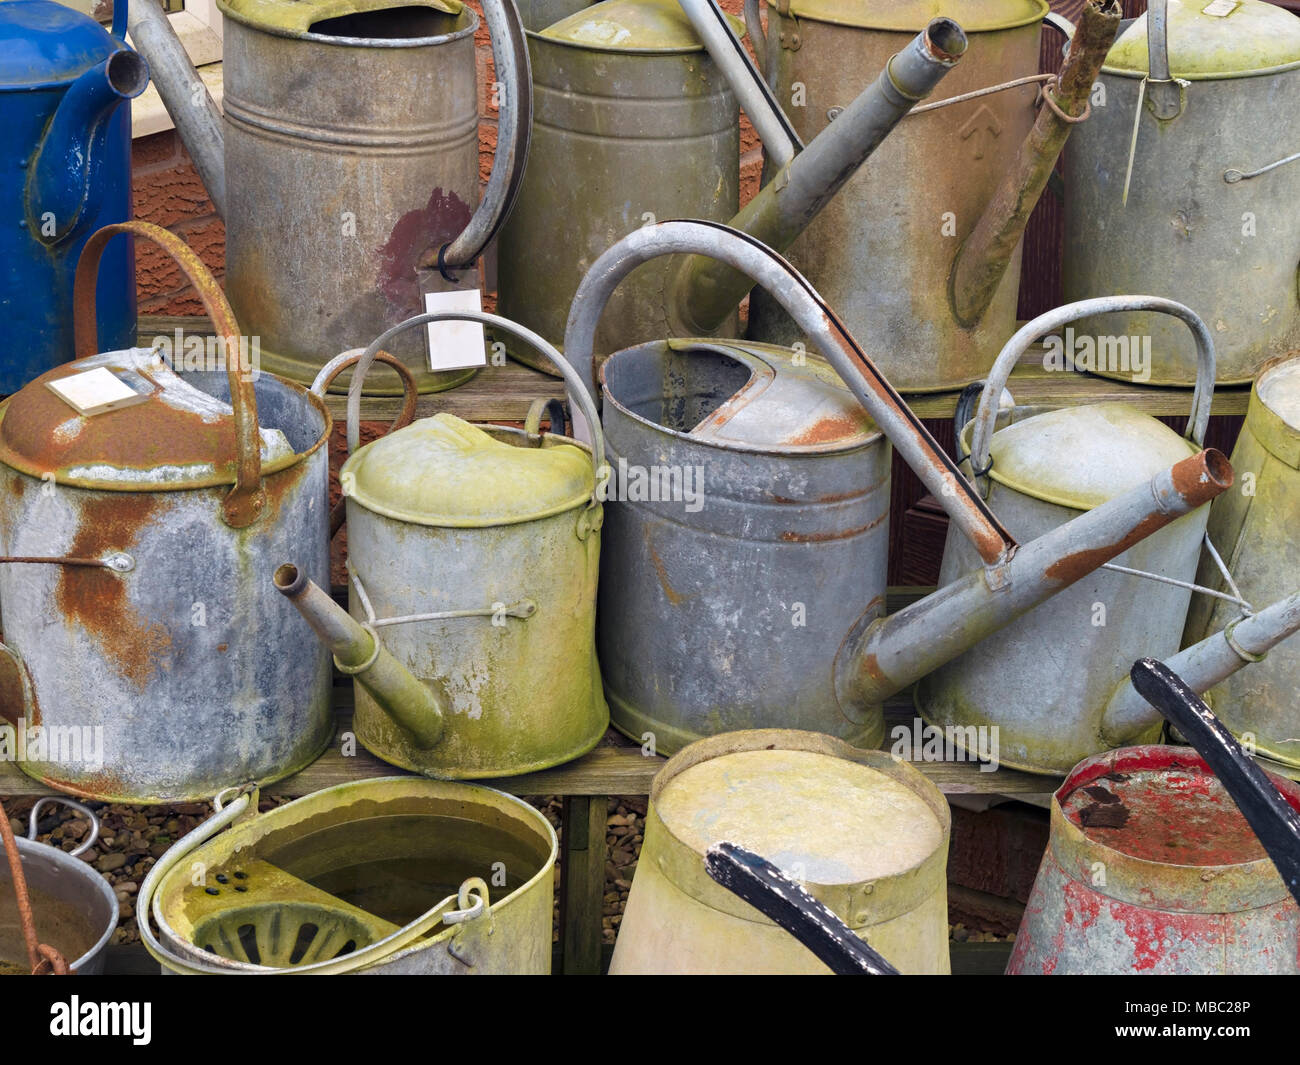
x,y
133,837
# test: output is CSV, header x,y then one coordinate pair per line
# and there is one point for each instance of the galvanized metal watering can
x,y
921,250
1053,683
393,876
140,634
348,172
619,77
1185,180
65,135
473,559
862,831
763,604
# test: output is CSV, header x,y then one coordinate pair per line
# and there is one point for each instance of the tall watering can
x,y
473,554
66,141
139,632
637,122
348,172
1185,183
1053,684
757,598
1165,861
921,250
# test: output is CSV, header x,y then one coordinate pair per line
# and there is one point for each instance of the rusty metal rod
x,y
983,257
884,655
38,953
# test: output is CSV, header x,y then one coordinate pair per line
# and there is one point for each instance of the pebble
x,y
111,861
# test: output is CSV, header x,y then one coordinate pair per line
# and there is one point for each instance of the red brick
x,y
156,151
751,175
997,851
168,196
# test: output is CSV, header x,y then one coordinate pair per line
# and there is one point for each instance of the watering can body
x,y
1254,530
1151,869
139,632
882,250
635,123
65,128
1209,219
797,793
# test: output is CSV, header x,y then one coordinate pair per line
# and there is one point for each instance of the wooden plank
x,y
582,883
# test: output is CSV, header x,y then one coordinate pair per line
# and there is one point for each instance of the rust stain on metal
x,y
1200,478
829,430
96,598
415,236
1070,568
836,534
675,597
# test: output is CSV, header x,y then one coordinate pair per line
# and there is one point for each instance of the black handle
x,y
813,923
1275,822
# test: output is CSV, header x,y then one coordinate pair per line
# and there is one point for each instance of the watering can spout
x,y
64,186
882,656
358,652
984,256
706,290
1204,665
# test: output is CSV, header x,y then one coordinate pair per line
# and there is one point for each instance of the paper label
x,y
95,391
454,345
1221,8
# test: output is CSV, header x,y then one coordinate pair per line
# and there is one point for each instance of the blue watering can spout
x,y
63,186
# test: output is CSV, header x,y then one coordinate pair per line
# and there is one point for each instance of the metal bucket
x,y
394,876
862,831
1151,868
74,907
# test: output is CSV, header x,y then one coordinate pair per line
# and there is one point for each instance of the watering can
x,y
66,139
1254,529
348,170
617,80
1050,683
763,605
1162,860
473,554
392,876
1185,182
921,250
138,629
863,832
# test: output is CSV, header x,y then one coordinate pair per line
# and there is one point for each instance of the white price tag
x,y
1221,8
95,391
454,345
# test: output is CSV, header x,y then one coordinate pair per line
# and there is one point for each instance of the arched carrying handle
x,y
245,502
577,390
754,28
1165,93
515,125
1202,397
33,821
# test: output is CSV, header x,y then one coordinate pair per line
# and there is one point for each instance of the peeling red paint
x,y
417,232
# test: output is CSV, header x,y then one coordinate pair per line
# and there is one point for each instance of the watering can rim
x,y
837,13
296,28
1278,436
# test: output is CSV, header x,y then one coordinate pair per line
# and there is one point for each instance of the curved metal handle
x,y
85,812
515,123
1202,397
1060,23
1158,40
245,502
577,390
754,27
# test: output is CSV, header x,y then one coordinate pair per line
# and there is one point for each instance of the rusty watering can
x,y
473,559
861,831
757,598
393,876
349,165
1165,861
1053,683
1254,529
144,657
65,134
619,77
921,249
1185,183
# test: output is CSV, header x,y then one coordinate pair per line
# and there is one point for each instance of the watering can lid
x,y
836,821
1278,389
912,16
44,43
296,17
176,437
446,472
1080,457
632,26
1214,39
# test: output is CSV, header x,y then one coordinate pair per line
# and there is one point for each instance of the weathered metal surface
x,y
1152,869
390,873
1227,248
1254,531
880,251
601,113
64,83
863,832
